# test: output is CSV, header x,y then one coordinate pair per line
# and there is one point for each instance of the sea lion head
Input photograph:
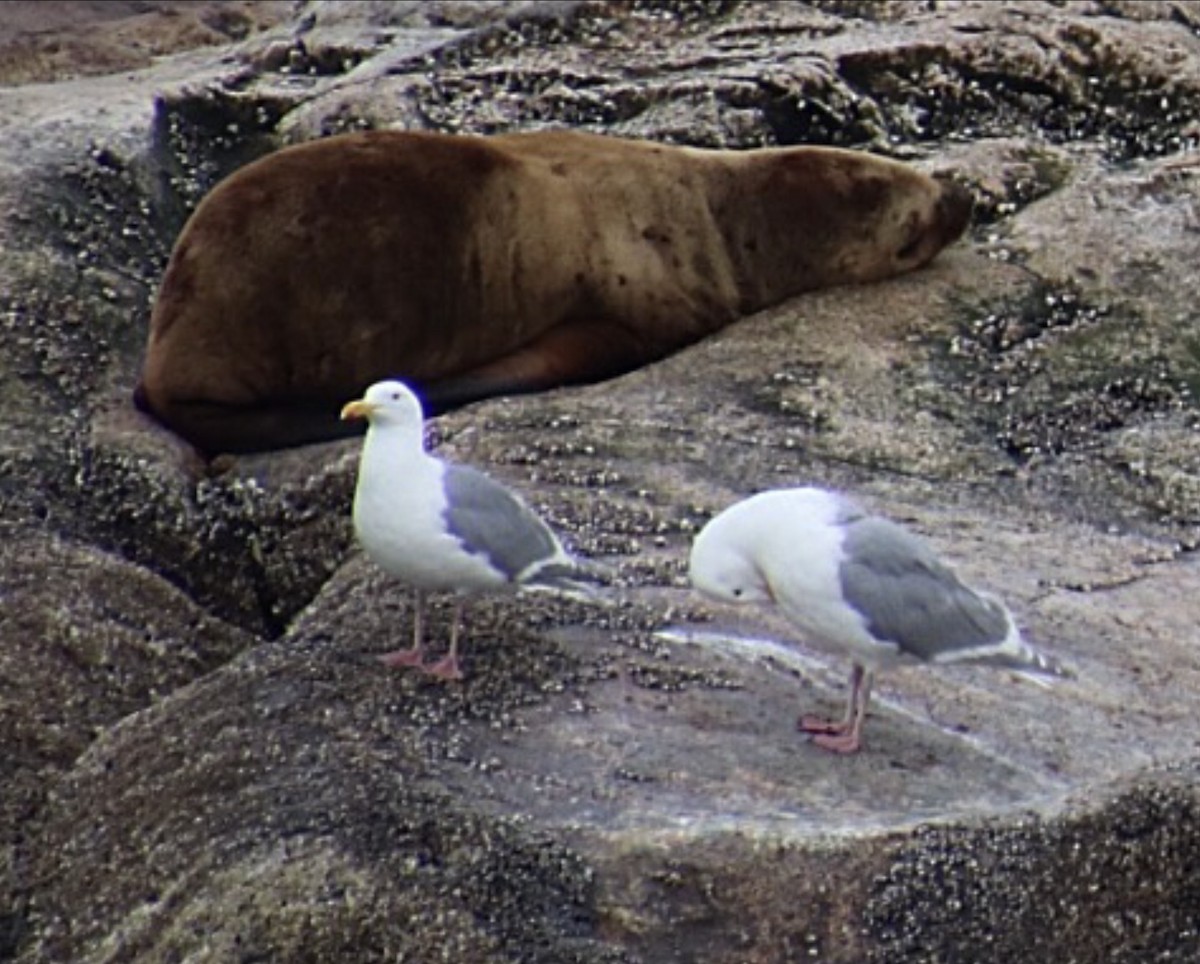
x,y
952,212
903,216
813,217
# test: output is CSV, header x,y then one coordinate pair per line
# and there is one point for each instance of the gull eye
x,y
737,593
395,396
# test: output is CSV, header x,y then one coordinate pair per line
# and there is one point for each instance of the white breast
x,y
399,518
799,548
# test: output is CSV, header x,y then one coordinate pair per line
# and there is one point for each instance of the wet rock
x,y
384,868
42,42
85,640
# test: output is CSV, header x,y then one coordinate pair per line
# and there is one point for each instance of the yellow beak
x,y
360,408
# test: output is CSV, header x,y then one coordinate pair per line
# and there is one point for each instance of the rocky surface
x,y
202,760
42,41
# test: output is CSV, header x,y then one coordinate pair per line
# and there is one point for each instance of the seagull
x,y
855,583
439,526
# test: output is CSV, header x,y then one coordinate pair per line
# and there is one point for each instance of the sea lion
x,y
475,266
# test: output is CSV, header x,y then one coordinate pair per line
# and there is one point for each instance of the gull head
x,y
386,403
721,571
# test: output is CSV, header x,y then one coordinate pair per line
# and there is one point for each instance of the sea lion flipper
x,y
569,354
217,429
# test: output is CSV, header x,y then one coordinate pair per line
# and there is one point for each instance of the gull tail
x,y
1014,654
1046,665
1031,664
582,581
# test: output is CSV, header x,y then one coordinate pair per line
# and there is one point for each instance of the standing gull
x,y
855,583
444,527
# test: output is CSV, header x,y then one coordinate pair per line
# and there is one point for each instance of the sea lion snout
x,y
954,208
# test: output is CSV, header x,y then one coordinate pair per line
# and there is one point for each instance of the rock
x,y
41,42
202,759
88,639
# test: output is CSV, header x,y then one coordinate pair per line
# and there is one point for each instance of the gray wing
x,y
909,598
492,522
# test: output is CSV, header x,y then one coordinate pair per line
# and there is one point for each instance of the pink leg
x,y
816,724
415,655
447,667
850,741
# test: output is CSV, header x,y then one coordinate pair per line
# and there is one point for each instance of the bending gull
x,y
855,583
445,527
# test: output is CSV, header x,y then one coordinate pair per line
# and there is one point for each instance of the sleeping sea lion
x,y
477,266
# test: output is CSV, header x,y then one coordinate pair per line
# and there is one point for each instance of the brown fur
x,y
474,266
